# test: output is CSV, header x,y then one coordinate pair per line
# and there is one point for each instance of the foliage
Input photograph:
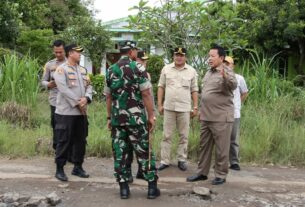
x,y
275,26
98,82
9,23
154,67
33,24
37,43
91,35
19,80
192,24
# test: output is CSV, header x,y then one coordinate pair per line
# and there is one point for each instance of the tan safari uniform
x,y
179,85
216,117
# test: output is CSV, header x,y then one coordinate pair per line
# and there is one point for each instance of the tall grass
x,y
19,80
273,117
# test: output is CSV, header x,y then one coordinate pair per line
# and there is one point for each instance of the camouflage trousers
x,y
124,140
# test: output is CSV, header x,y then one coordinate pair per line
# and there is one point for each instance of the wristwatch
x,y
88,99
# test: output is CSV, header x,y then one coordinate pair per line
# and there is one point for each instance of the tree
x,y
275,25
37,43
9,23
91,35
193,25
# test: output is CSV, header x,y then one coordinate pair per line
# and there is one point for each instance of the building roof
x,y
119,25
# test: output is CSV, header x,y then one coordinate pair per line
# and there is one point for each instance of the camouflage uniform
x,y
125,81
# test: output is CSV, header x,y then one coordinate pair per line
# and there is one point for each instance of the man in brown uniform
x,y
216,117
179,83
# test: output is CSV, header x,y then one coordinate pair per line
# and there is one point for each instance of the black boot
x,y
130,178
60,173
153,190
140,174
124,190
79,171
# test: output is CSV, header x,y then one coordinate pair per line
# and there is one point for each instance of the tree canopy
x,y
32,25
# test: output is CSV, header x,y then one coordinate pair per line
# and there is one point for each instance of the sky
x,y
114,9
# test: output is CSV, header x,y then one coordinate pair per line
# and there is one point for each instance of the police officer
x,y
179,88
74,94
216,117
127,96
48,80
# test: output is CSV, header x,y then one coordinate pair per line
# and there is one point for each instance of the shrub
x,y
154,67
98,82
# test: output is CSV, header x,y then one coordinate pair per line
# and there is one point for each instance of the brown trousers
x,y
217,133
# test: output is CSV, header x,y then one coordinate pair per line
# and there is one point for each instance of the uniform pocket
x,y
61,132
170,80
186,82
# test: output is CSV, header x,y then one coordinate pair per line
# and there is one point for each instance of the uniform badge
x,y
60,70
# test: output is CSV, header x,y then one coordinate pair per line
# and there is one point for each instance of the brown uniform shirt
x,y
178,85
217,96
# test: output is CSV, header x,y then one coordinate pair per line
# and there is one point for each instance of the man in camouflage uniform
x,y
127,95
74,94
141,60
48,80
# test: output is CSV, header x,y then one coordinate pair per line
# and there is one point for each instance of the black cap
x,y
74,47
142,55
180,50
127,45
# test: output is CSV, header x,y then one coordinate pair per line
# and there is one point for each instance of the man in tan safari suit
x,y
178,81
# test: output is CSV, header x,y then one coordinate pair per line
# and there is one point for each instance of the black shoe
x,y
130,178
79,171
153,190
60,174
218,181
182,165
140,175
124,190
235,167
162,167
195,178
